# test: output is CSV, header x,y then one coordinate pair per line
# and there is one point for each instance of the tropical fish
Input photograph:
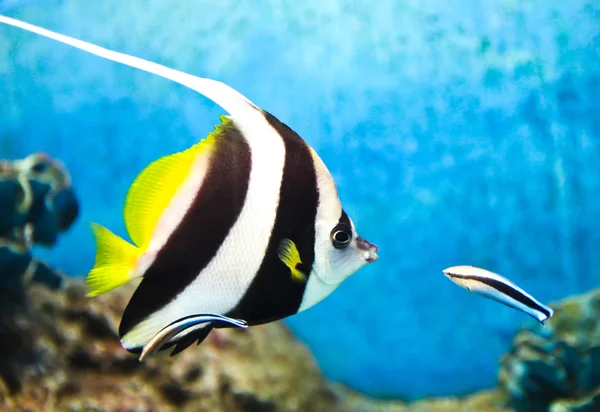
x,y
498,288
247,224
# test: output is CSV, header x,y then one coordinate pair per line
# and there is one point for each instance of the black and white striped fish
x,y
243,228
498,288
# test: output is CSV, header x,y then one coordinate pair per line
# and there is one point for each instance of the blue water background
x,y
459,132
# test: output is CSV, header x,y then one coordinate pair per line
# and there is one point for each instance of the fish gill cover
x,y
460,131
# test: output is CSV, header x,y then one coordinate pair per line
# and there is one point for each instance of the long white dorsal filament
x,y
231,100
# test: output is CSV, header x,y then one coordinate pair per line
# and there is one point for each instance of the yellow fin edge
x,y
115,261
289,255
153,189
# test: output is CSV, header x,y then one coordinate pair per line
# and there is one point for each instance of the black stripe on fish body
x,y
204,227
273,294
508,291
345,220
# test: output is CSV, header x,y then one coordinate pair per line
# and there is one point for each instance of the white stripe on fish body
x,y
329,271
224,281
476,283
329,210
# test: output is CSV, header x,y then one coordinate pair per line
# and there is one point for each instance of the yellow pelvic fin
x,y
153,189
115,262
288,254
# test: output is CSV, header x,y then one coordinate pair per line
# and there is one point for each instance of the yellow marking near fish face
x,y
288,254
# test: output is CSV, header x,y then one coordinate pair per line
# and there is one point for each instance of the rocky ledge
x,y
556,367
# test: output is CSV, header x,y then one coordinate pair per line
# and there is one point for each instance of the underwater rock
x,y
36,196
15,199
60,351
71,359
561,360
483,401
54,207
590,403
37,202
18,269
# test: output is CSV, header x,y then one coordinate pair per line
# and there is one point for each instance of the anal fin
x,y
188,340
163,338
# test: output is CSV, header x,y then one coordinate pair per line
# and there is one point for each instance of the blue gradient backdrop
x,y
459,132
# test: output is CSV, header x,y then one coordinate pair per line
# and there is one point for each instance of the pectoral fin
x,y
289,255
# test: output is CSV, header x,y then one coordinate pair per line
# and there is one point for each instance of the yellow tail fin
x,y
115,261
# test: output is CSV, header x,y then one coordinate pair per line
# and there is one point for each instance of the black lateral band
x,y
197,238
507,290
273,293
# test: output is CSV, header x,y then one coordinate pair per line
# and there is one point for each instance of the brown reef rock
x,y
557,367
37,204
60,352
69,358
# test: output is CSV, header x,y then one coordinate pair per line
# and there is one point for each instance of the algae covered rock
x,y
37,203
483,401
590,403
71,359
556,366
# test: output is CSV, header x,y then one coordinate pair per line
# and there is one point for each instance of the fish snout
x,y
370,249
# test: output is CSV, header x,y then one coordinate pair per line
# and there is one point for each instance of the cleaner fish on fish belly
x,y
243,228
498,288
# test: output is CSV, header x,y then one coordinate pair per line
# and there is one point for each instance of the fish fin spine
x,y
115,262
289,255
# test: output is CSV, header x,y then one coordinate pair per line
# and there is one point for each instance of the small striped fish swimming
x,y
243,228
498,288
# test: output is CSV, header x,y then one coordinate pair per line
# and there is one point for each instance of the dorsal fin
x,y
225,96
154,188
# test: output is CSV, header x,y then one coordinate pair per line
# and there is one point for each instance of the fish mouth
x,y
370,249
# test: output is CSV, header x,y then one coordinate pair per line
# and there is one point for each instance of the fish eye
x,y
341,236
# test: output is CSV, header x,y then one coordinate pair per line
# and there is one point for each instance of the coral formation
x,y
37,202
557,367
